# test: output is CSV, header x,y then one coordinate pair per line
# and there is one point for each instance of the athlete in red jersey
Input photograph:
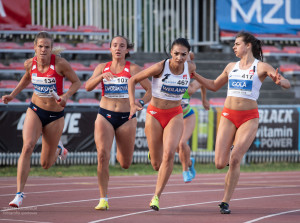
x,y
112,119
45,115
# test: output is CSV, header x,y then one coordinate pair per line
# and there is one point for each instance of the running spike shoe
x,y
186,176
192,168
17,201
103,205
154,204
224,208
63,153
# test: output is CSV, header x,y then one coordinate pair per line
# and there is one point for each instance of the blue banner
x,y
259,16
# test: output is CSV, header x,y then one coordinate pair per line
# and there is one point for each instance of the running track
x,y
259,197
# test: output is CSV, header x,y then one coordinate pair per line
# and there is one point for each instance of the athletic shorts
x,y
46,117
188,113
239,117
163,115
116,119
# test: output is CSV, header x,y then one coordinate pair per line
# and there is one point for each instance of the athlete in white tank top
x,y
170,86
244,83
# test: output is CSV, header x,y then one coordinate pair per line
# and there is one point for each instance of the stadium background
x,y
84,28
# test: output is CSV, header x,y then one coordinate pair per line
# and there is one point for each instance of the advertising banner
x,y
278,129
259,16
78,133
15,12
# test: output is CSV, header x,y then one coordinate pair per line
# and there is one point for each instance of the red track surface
x,y
259,197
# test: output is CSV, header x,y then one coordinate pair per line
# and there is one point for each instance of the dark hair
x,y
43,35
182,42
129,45
256,44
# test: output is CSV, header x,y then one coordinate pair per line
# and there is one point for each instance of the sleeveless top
x,y
244,83
44,82
170,86
118,86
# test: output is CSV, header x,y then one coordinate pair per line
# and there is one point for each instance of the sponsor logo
x,y
153,112
107,68
225,113
108,115
251,72
52,116
184,76
34,74
124,117
166,77
51,67
126,69
235,70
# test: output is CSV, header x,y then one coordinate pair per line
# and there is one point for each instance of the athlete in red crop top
x,y
112,119
45,114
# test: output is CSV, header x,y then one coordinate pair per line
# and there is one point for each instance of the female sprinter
x,y
113,114
45,115
239,120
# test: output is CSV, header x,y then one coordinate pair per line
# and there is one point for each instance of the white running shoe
x,y
63,153
17,202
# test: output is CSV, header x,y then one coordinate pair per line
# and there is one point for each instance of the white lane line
x,y
134,195
2,219
186,205
271,215
145,186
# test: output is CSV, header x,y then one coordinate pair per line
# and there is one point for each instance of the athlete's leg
x,y
154,134
243,140
50,139
104,135
32,130
125,139
171,137
224,140
184,149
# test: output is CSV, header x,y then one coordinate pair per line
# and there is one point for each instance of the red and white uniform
x,y
118,86
44,82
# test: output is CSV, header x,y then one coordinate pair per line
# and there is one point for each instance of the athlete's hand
x,y
63,101
108,76
276,77
206,104
132,111
7,98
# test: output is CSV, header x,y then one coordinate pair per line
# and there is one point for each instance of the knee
x,y
181,146
125,164
155,165
103,157
234,162
45,164
220,164
169,156
28,148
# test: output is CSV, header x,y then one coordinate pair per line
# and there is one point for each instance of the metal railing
x,y
151,24
90,158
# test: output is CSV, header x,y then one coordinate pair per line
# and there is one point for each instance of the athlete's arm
x,y
25,80
146,84
64,68
215,85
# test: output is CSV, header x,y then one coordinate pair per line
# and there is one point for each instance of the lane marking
x,y
271,215
187,205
